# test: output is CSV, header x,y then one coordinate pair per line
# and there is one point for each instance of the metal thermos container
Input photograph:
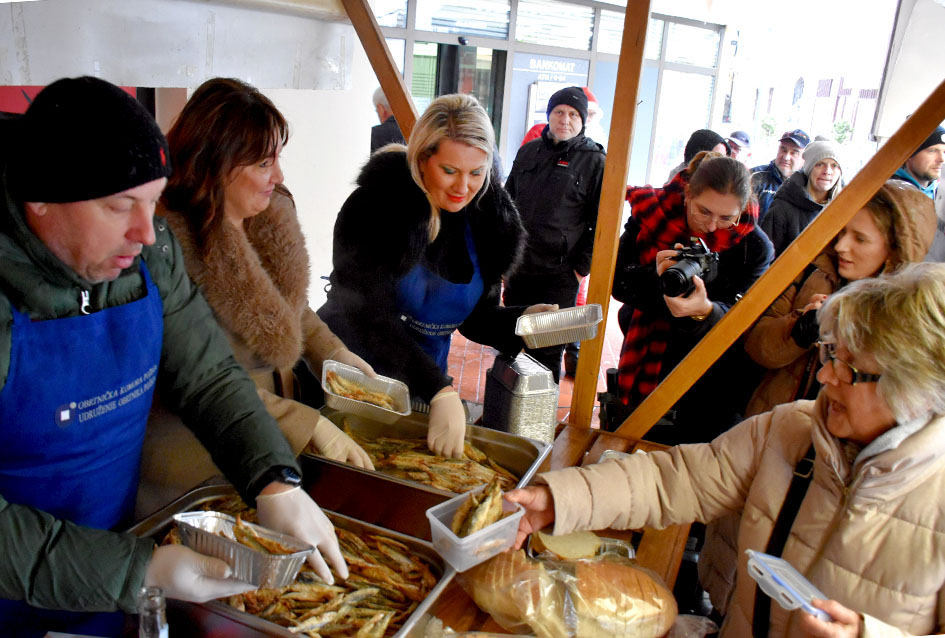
x,y
521,398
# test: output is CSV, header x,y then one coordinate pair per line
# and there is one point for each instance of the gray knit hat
x,y
817,151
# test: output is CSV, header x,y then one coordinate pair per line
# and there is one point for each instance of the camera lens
x,y
676,280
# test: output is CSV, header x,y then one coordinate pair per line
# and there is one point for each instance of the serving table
x,y
658,550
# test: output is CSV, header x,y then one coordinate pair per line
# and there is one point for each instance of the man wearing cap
x,y
767,178
96,310
923,170
555,182
739,146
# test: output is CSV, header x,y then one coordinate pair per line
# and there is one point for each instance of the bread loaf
x,y
599,598
618,599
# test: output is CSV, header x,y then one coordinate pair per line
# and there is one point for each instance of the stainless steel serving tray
x,y
518,454
159,523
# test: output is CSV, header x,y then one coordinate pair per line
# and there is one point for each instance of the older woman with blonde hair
x,y
867,528
420,249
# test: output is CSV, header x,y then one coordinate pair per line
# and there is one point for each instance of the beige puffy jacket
x,y
870,535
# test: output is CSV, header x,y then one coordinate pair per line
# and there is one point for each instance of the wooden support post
x,y
795,258
365,25
613,194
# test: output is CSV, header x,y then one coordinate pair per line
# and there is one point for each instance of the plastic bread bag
x,y
603,596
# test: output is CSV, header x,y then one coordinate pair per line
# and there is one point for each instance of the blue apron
x,y
433,307
72,418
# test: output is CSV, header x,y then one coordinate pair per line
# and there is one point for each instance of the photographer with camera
x,y
688,252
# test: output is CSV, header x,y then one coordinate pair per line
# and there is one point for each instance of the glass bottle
x,y
152,616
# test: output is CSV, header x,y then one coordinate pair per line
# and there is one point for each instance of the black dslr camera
x,y
676,280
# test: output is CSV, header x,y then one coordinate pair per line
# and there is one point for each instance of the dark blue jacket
x,y
765,182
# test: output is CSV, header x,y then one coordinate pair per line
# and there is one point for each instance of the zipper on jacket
x,y
84,308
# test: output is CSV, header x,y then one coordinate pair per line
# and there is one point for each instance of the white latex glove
x,y
540,307
293,512
331,442
186,575
447,424
345,356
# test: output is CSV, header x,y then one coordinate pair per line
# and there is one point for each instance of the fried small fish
x,y
479,510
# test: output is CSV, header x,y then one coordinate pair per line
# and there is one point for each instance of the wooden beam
x,y
613,194
392,82
795,258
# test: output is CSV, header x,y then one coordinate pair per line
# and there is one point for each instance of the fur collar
x,y
257,283
390,200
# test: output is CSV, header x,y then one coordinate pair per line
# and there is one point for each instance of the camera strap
x,y
803,472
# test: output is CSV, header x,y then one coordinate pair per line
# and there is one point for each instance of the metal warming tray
x,y
518,454
159,523
543,329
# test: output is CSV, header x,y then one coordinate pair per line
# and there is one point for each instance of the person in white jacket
x,y
870,530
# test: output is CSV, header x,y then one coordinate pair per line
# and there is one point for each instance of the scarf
x,y
661,214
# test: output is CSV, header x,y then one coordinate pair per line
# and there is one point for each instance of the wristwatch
x,y
281,473
699,317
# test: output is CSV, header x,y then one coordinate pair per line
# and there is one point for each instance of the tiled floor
x,y
468,363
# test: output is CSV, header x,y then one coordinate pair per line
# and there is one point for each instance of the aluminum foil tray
x,y
518,454
396,389
211,533
543,329
158,524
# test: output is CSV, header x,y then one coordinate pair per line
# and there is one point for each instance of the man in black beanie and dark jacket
x,y
555,182
96,312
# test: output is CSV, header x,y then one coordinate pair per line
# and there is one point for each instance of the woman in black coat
x,y
420,249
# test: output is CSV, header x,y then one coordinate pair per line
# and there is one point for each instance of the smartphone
x,y
783,583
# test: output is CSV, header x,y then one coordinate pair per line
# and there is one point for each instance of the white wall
x,y
330,141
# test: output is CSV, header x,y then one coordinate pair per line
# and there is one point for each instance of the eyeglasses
x,y
720,222
844,372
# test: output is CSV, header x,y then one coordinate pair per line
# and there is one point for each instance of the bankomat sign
x,y
552,70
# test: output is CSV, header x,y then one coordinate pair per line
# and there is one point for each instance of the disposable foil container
x,y
396,389
211,533
521,398
543,329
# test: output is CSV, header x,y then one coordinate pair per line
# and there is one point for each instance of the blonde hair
x,y
899,320
455,117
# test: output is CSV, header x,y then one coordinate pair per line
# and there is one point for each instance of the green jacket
x,y
54,563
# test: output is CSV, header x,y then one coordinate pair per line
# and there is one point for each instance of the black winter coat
x,y
791,212
380,235
715,402
557,190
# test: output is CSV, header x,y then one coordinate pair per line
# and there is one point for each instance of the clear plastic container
x,y
783,583
543,329
396,389
463,553
211,533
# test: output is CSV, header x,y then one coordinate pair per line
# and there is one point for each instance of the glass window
x,y
557,24
423,87
397,47
692,45
489,18
684,104
391,13
611,33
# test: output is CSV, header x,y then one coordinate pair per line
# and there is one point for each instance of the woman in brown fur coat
x,y
244,248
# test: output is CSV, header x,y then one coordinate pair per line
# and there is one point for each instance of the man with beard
x,y
923,170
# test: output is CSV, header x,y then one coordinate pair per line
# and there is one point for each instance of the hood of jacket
x,y
914,224
794,192
387,186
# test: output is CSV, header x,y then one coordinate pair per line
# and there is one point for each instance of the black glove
x,y
806,329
